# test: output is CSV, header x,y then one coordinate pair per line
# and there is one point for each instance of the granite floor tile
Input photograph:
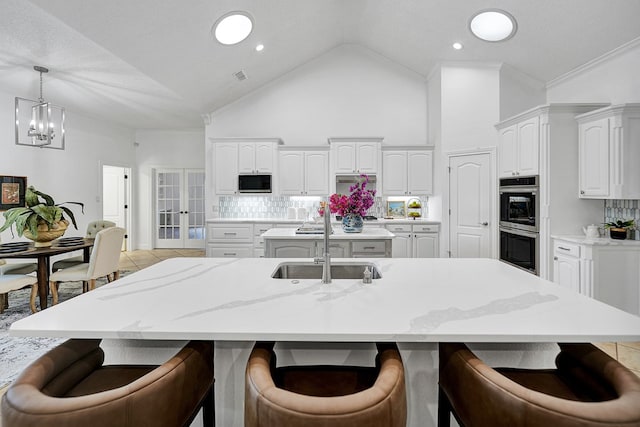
x,y
629,357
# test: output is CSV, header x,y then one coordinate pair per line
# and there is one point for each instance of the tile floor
x,y
627,353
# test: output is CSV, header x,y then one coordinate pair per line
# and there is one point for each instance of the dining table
x,y
27,250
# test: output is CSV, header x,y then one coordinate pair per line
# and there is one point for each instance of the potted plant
x,y
618,229
41,220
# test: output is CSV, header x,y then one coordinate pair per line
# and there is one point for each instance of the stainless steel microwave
x,y
254,183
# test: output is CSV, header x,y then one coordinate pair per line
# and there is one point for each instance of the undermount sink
x,y
310,270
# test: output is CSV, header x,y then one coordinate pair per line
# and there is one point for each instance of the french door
x,y
179,208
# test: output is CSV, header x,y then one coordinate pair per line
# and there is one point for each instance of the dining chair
x,y
324,395
103,262
586,389
14,282
70,386
92,230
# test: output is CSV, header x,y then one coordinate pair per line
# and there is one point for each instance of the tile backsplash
x,y
622,209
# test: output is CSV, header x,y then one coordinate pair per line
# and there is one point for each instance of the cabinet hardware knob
x,y
555,258
484,223
581,191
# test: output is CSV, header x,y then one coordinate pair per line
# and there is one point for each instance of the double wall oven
x,y
519,222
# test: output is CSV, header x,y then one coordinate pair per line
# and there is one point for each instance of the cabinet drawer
x,y
426,228
401,228
230,252
566,248
368,247
258,229
240,233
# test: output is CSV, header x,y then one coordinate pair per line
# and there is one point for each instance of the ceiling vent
x,y
240,75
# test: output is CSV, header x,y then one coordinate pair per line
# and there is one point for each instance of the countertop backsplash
x,y
277,206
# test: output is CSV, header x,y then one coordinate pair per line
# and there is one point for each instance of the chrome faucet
x,y
326,257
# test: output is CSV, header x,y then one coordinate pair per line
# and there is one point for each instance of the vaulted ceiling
x,y
154,64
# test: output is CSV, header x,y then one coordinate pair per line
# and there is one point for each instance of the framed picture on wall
x,y
12,190
396,209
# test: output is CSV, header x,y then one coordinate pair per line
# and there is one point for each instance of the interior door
x,y
470,195
115,197
179,210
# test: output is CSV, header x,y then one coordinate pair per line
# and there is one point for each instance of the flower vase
x,y
352,223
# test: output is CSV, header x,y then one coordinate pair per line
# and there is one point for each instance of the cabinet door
x,y
291,172
344,157
264,157
338,249
316,166
246,157
401,247
425,245
528,150
291,249
226,168
394,173
419,172
566,271
367,157
594,158
507,138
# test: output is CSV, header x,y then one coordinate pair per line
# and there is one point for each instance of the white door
x,y
115,197
470,195
179,209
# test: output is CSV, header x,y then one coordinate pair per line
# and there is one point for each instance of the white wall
x,y
518,92
614,78
349,91
73,174
161,149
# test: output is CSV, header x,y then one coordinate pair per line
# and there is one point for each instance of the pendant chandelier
x,y
39,123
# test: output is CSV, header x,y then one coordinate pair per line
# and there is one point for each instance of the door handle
x,y
483,223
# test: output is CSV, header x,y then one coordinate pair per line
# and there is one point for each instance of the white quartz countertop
x,y
381,221
598,241
416,300
368,233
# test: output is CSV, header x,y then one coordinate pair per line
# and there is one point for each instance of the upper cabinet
x,y
304,172
256,157
519,148
609,153
225,167
407,172
355,155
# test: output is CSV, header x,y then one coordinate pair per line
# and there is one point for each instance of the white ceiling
x,y
153,64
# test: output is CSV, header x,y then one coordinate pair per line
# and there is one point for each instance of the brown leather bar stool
x,y
69,386
314,396
588,388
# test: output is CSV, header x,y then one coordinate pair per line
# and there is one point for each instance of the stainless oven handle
x,y
520,232
532,190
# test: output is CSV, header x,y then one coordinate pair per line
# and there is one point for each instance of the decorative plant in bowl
x,y
353,207
618,229
41,220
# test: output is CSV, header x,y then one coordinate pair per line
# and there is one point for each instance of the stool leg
x,y
209,409
444,409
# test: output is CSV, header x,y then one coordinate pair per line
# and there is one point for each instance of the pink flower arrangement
x,y
358,202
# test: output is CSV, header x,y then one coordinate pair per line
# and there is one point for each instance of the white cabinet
x,y
256,157
600,268
304,173
415,240
226,167
609,153
355,155
519,148
300,248
407,172
230,240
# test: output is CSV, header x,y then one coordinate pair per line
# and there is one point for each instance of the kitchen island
x,y
512,315
372,242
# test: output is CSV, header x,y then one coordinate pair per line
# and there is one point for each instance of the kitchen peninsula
x,y
416,303
374,242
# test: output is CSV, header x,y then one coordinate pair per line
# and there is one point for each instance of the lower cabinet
x,y
415,240
230,240
285,248
600,269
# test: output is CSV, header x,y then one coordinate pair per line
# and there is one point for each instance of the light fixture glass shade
x,y
39,124
493,25
233,27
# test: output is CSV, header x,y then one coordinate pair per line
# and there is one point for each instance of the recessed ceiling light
x,y
493,25
232,28
457,46
259,47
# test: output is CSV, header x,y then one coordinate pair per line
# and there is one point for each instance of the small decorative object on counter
x,y
414,208
353,207
618,229
366,275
